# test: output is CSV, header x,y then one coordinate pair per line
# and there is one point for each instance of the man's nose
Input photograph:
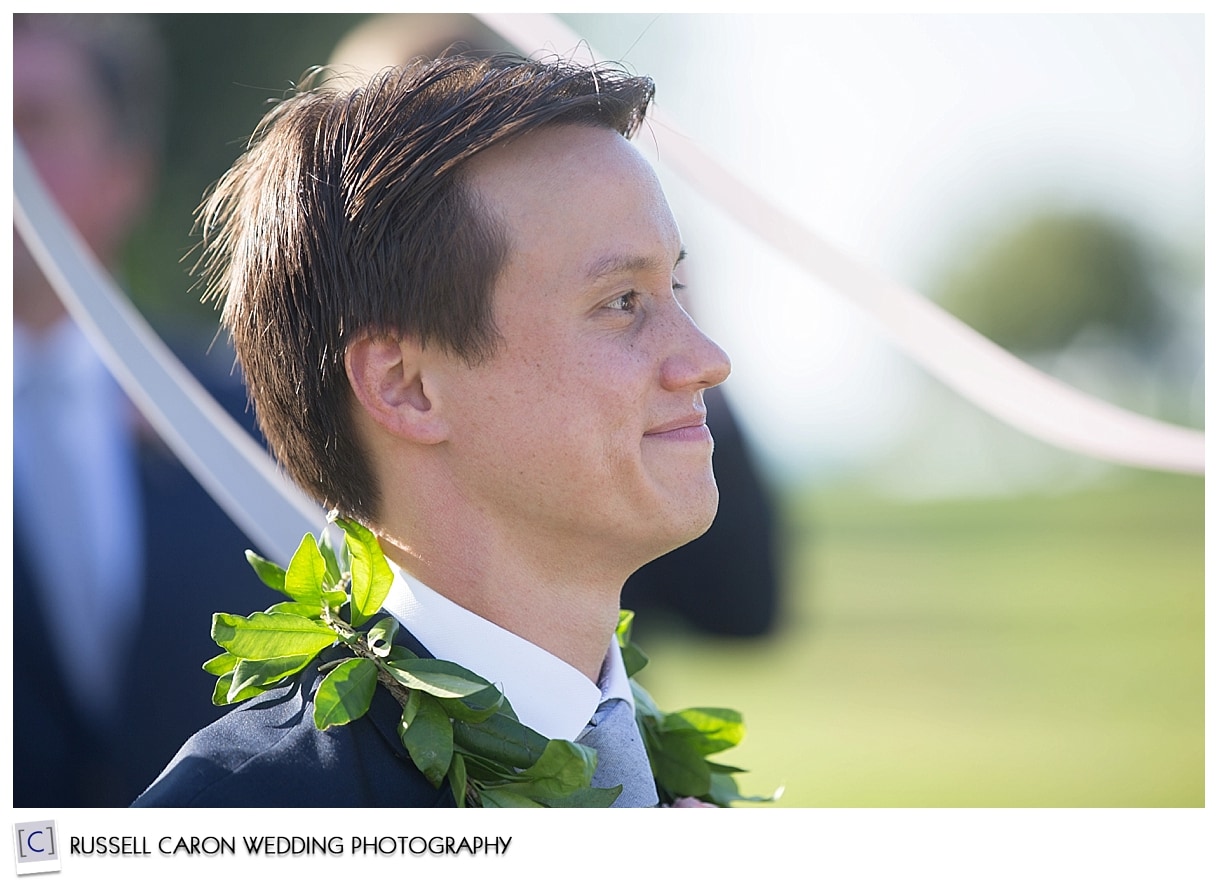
x,y
697,362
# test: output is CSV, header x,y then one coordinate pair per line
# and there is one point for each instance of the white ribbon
x,y
950,350
230,465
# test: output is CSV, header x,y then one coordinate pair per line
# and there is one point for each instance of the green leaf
x,y
410,709
723,791
457,779
477,707
334,599
269,635
679,767
443,679
398,652
345,694
219,696
562,769
266,672
633,658
381,636
501,739
220,664
644,705
485,771
588,797
428,738
306,572
308,610
334,566
507,796
371,577
625,623
709,729
270,573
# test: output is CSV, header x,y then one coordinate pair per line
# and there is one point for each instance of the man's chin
x,y
681,528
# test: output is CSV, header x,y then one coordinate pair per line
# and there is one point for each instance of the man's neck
x,y
570,612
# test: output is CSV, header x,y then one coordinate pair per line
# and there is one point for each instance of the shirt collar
x,y
548,695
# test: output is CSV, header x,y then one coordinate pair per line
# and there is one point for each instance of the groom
x,y
452,294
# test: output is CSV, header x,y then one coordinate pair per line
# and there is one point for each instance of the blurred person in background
x,y
726,582
119,556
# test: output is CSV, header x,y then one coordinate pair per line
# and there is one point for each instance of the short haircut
x,y
349,215
127,62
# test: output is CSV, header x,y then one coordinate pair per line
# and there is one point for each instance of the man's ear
x,y
386,373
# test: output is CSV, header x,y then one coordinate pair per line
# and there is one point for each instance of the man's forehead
x,y
550,156
579,189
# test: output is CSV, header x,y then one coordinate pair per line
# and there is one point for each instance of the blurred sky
x,y
905,140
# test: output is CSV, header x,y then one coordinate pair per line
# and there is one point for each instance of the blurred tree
x,y
1035,287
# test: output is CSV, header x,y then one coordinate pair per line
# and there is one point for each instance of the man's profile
x,y
452,294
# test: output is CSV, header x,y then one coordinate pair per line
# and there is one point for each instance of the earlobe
x,y
387,377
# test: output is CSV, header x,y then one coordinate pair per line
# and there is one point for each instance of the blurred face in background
x,y
99,180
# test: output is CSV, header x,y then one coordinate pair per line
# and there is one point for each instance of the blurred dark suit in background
x,y
119,556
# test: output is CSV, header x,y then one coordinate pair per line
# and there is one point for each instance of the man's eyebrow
x,y
619,264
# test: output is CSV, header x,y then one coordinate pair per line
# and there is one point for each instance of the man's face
x,y
586,429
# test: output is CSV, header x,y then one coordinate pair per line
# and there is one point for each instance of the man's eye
x,y
626,302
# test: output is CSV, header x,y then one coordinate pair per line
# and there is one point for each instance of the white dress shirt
x,y
548,695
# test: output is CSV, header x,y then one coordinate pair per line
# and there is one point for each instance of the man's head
x,y
586,428
88,96
388,239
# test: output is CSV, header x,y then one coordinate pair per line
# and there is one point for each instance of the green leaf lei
x,y
456,726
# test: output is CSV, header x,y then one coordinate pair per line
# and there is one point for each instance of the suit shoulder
x,y
268,753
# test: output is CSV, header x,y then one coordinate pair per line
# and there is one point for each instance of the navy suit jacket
x,y
267,753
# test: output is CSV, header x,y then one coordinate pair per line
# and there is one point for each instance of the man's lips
x,y
691,427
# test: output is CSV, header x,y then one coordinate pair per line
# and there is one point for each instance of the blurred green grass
x,y
1033,651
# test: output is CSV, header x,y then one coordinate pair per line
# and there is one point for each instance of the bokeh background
x,y
968,617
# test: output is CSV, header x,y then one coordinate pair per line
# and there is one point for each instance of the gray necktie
x,y
621,756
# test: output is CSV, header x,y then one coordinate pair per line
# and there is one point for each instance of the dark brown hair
x,y
348,215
